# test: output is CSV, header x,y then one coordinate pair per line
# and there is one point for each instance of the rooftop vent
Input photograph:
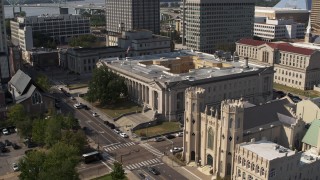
x,y
309,158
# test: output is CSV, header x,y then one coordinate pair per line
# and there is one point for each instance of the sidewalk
x,y
187,171
10,176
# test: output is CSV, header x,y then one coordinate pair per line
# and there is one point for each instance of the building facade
x,y
60,27
270,29
159,81
267,160
211,134
212,25
127,15
4,62
315,17
294,66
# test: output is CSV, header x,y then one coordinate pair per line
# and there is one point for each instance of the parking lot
x,y
12,155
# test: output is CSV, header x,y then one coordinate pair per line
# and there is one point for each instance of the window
x,y
36,98
210,138
257,169
252,167
243,162
243,176
230,122
239,173
262,171
248,164
272,173
239,159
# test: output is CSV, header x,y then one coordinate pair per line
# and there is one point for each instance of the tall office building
x,y
4,65
315,17
217,24
126,15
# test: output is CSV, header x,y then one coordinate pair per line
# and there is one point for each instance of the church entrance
x,y
193,156
209,160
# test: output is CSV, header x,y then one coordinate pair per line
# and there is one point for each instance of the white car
x,y
5,131
124,135
116,130
179,134
95,115
72,98
15,167
78,106
176,150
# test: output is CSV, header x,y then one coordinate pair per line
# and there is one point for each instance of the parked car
x,y
2,144
159,139
124,135
95,114
116,130
7,142
106,123
85,107
15,167
176,150
179,134
78,106
142,176
4,150
112,126
170,136
5,131
153,170
15,146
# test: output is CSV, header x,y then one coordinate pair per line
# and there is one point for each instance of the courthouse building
x,y
159,81
296,67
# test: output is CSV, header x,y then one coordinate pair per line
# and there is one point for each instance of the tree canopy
x,y
118,171
106,87
43,82
84,40
42,40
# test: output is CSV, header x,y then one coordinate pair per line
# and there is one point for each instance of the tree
x,y
31,165
42,40
53,130
76,139
106,86
84,40
118,171
20,119
38,131
43,82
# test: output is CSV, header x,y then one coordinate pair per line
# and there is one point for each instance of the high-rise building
x,y
217,24
4,65
126,15
315,17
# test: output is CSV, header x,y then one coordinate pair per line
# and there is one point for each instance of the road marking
x,y
106,165
101,134
112,144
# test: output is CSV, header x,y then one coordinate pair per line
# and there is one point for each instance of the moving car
x,y
116,130
176,150
170,136
15,167
179,134
78,106
124,135
153,170
159,139
5,131
95,114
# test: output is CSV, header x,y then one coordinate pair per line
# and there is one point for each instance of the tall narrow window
x,y
210,138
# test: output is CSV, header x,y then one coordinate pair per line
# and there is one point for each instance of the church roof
x,y
311,136
20,81
257,116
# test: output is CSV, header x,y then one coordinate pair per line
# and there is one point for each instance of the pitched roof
x,y
281,46
264,114
20,81
311,136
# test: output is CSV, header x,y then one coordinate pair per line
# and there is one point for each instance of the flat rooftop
x,y
180,65
268,150
261,9
309,157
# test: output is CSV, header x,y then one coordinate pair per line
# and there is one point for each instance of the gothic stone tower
x,y
193,107
231,133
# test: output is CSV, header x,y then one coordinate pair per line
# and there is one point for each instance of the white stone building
x,y
294,66
159,81
270,29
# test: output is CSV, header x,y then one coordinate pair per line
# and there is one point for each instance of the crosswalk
x,y
151,149
117,146
143,163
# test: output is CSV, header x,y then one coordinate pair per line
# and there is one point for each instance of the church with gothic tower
x,y
211,134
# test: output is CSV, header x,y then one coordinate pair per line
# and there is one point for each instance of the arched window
x,y
248,164
239,173
257,169
36,98
252,167
239,160
243,162
262,171
210,138
230,122
244,176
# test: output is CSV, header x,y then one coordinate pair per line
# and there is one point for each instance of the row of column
x,y
138,92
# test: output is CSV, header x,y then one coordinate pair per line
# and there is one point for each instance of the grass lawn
x,y
305,93
116,110
76,86
163,128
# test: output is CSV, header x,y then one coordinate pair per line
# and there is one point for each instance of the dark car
x,y
111,125
2,144
142,176
85,107
153,170
4,150
15,146
7,142
159,139
170,136
106,123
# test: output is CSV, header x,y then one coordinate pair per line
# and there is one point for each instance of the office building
x,y
296,67
59,27
4,62
272,29
315,17
296,14
217,24
127,15
159,81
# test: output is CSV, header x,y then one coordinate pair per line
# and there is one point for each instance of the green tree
x,y
38,131
69,122
118,171
20,119
43,82
76,139
42,40
53,130
84,41
31,165
106,86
